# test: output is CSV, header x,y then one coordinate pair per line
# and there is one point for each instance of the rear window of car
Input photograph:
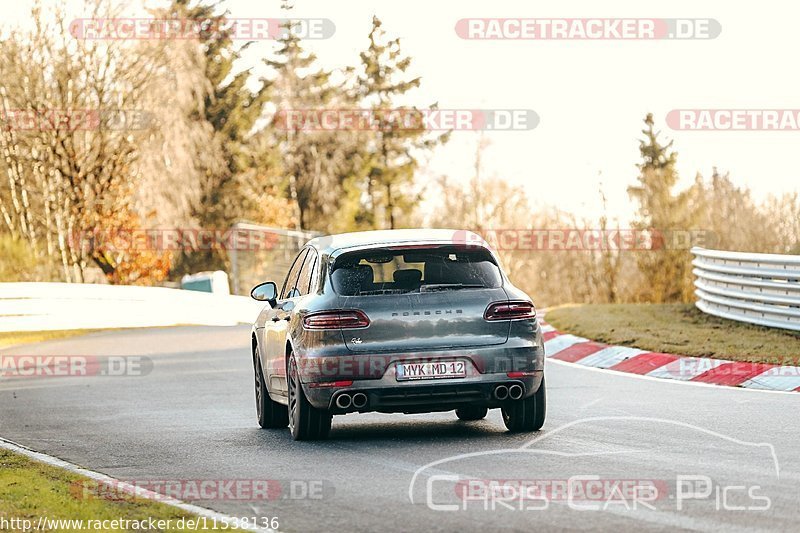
x,y
398,271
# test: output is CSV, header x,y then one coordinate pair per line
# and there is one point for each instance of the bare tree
x,y
91,142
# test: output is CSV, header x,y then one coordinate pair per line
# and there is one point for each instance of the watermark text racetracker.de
x,y
249,29
405,119
702,369
591,29
734,119
60,366
198,490
501,239
585,239
177,239
77,119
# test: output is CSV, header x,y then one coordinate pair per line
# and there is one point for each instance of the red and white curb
x,y
578,350
140,492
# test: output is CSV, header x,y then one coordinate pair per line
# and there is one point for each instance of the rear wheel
x,y
305,421
471,412
527,414
270,413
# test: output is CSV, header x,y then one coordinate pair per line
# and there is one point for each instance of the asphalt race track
x,y
192,417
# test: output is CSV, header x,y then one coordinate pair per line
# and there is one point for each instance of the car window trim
x,y
313,277
306,262
302,253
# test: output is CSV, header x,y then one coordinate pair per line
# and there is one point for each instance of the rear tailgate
x,y
426,321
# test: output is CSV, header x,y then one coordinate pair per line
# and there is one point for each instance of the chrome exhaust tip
x,y
359,400
515,392
501,392
343,401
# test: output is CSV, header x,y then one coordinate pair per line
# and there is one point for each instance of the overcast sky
x,y
591,96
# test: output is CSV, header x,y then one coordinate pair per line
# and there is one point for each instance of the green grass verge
x,y
30,490
26,337
680,329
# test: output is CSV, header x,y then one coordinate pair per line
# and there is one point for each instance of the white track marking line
x,y
127,487
593,402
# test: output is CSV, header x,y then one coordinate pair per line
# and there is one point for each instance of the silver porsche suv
x,y
397,321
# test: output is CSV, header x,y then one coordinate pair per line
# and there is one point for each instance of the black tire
x,y
270,413
527,414
472,412
305,421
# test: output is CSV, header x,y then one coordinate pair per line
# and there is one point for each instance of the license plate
x,y
439,370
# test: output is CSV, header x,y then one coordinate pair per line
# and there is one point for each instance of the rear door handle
x,y
287,318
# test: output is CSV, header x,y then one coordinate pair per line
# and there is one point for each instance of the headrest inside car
x,y
350,281
409,276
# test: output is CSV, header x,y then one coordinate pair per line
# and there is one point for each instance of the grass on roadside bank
x,y
680,329
30,490
26,337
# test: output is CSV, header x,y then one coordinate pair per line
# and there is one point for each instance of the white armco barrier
x,y
761,289
53,306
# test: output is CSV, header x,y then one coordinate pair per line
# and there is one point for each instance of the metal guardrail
x,y
762,289
253,264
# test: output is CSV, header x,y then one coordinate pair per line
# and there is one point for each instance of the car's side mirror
x,y
265,292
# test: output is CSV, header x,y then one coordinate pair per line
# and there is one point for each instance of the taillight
x,y
349,319
519,310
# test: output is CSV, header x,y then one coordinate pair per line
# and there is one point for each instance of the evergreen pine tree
x,y
395,148
667,268
231,108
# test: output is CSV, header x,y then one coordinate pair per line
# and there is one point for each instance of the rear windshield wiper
x,y
448,287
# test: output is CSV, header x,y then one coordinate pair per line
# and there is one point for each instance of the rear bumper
x,y
375,376
388,395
